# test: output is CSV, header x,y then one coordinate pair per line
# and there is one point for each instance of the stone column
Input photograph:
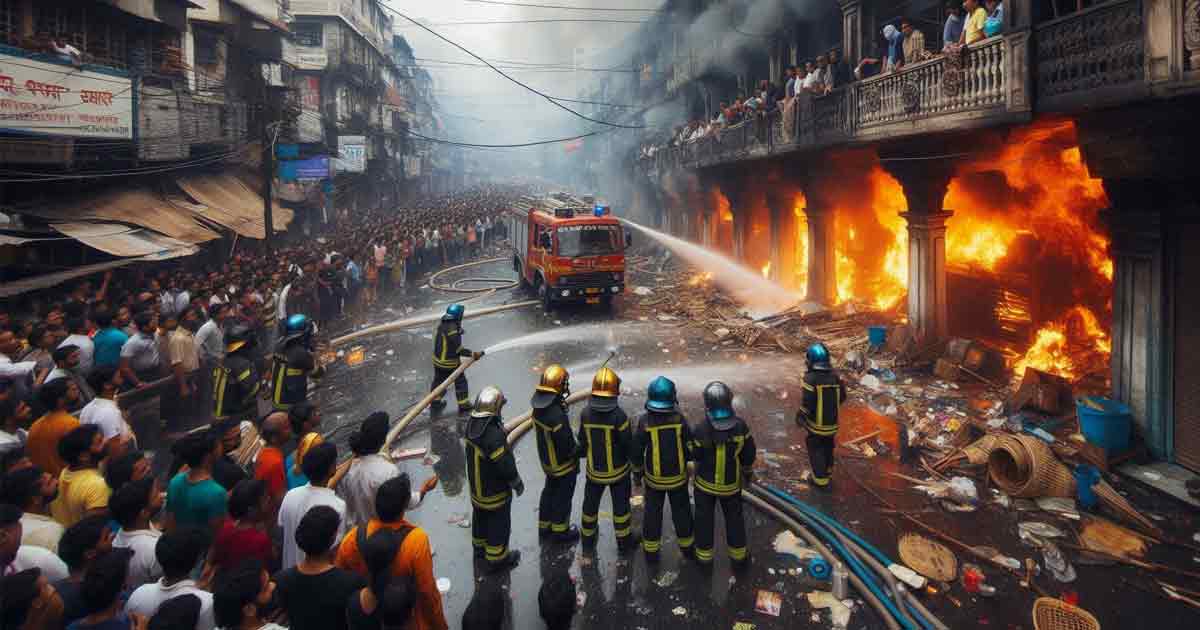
x,y
927,307
1140,371
925,183
822,253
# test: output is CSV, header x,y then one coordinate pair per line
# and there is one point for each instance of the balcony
x,y
1113,54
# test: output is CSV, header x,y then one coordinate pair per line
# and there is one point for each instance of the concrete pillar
x,y
925,184
1140,366
822,253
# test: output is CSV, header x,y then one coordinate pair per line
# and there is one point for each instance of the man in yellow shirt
x,y
82,490
973,27
42,442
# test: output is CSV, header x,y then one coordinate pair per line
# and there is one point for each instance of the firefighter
x,y
660,455
724,452
492,474
823,394
447,353
556,450
607,443
235,379
292,363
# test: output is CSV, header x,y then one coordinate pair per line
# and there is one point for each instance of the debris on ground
x,y
768,602
839,612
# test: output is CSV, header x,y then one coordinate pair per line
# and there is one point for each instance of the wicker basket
x,y
1055,614
978,451
1023,466
1117,504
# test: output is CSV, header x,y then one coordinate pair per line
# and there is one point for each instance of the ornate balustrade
x,y
1100,48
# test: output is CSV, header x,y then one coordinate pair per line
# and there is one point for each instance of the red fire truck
x,y
568,249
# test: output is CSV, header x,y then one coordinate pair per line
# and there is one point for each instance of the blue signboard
x,y
287,151
310,169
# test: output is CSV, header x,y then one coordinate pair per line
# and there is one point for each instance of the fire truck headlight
x,y
566,293
616,289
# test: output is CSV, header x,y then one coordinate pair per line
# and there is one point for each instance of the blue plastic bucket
x,y
1108,427
877,335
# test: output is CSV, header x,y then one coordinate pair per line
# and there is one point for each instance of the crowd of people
x,y
89,539
902,44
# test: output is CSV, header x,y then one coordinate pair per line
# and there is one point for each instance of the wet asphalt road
x,y
623,591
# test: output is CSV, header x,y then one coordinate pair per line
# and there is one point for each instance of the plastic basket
x,y
1055,614
1105,423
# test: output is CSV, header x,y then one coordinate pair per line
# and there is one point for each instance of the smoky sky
x,y
477,105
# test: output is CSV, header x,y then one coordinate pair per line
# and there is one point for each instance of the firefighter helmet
x,y
454,313
488,403
606,387
660,395
718,406
297,326
817,357
555,382
239,336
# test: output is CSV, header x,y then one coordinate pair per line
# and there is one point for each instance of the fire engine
x,y
568,249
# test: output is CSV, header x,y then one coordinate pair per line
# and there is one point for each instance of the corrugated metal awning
x,y
133,206
125,241
227,200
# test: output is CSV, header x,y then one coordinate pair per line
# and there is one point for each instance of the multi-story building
x,y
996,190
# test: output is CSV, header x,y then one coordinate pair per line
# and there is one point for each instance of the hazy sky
x,y
481,106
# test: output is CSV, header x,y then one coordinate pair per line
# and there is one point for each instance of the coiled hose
x,y
501,283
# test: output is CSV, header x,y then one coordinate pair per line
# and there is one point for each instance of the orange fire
x,y
872,257
800,248
766,270
1059,345
700,278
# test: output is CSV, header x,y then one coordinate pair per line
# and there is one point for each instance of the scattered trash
x,y
1058,505
643,291
1039,529
721,333
662,317
679,611
907,575
928,557
637,500
356,356
871,381
743,625
666,579
839,611
1104,535
972,578
789,544
768,602
443,585
1151,475
1057,563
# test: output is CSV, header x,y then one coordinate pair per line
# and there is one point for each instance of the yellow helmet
x,y
555,380
606,383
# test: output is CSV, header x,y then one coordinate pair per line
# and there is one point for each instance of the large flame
x,y
800,245
872,253
1061,347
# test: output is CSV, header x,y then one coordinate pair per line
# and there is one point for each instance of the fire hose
x,y
504,283
413,322
894,609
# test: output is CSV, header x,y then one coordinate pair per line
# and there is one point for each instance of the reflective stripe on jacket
x,y
606,441
722,457
661,443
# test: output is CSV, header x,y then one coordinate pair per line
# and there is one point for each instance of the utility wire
x,y
503,74
500,146
560,6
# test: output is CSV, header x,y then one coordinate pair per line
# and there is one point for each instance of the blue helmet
x,y
295,324
454,312
817,357
660,395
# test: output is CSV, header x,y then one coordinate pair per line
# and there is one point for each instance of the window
x,y
308,33
206,47
588,240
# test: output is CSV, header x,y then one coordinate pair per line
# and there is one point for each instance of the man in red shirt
x,y
276,431
244,534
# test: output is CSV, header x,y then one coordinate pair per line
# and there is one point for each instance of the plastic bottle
x,y
841,581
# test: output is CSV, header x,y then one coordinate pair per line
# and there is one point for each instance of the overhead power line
x,y
500,146
506,76
562,6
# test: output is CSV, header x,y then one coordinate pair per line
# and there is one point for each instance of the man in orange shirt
x,y
414,559
42,443
276,431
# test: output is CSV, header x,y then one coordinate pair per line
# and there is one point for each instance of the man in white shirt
x,y
103,411
32,490
15,557
177,553
141,361
15,413
368,470
210,338
132,506
80,339
318,465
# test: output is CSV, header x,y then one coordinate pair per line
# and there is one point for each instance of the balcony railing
x,y
1100,48
975,81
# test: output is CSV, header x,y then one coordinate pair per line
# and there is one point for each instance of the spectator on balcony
x,y
868,66
914,43
895,48
824,82
66,52
976,20
789,89
952,30
994,23
839,70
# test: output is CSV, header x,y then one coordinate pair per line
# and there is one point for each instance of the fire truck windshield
x,y
588,240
